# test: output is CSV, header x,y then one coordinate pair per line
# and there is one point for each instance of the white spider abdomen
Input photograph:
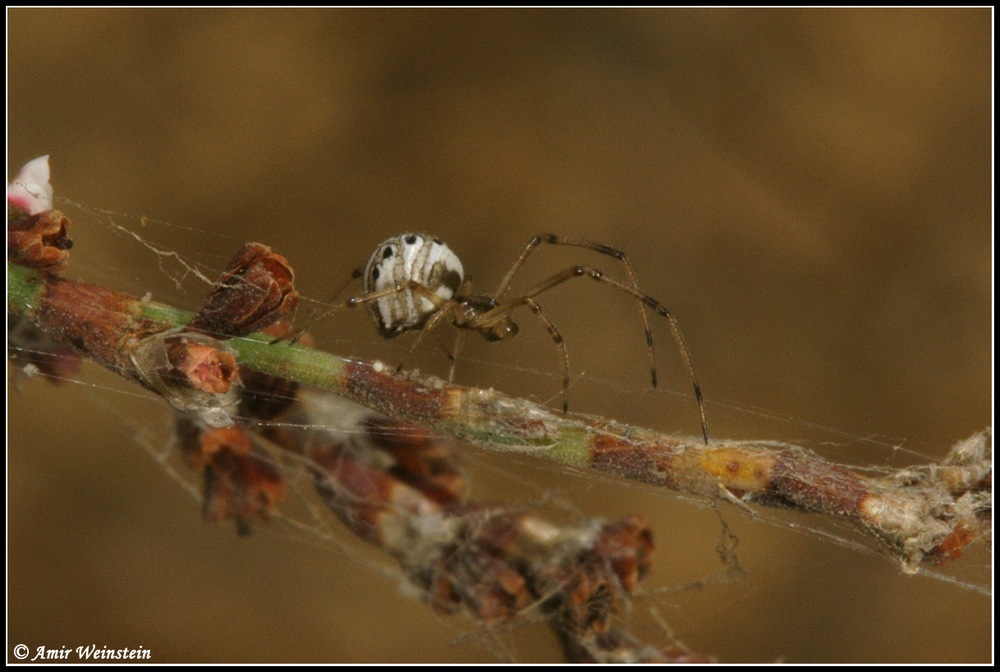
x,y
417,257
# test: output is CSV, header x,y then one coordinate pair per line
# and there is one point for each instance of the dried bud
x,y
422,460
254,291
587,586
200,444
200,366
358,492
191,371
626,547
239,483
381,475
951,546
480,567
39,241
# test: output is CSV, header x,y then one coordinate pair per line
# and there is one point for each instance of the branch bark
x,y
921,514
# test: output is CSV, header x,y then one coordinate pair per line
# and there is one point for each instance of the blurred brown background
x,y
808,191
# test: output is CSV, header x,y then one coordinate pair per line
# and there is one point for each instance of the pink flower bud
x,y
30,192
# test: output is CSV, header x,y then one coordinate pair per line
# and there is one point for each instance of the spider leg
x,y
615,253
410,285
294,337
456,346
455,349
430,324
594,274
560,344
440,310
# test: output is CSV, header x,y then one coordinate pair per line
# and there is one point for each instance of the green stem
x,y
926,519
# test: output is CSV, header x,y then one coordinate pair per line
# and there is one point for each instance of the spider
x,y
413,281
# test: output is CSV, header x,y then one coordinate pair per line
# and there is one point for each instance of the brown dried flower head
x,y
39,241
192,371
239,483
255,290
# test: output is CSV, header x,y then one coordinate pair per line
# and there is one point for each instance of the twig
x,y
920,514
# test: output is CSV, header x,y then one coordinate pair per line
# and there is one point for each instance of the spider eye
x,y
411,239
386,253
375,273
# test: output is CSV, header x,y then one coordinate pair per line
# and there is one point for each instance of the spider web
x,y
715,571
